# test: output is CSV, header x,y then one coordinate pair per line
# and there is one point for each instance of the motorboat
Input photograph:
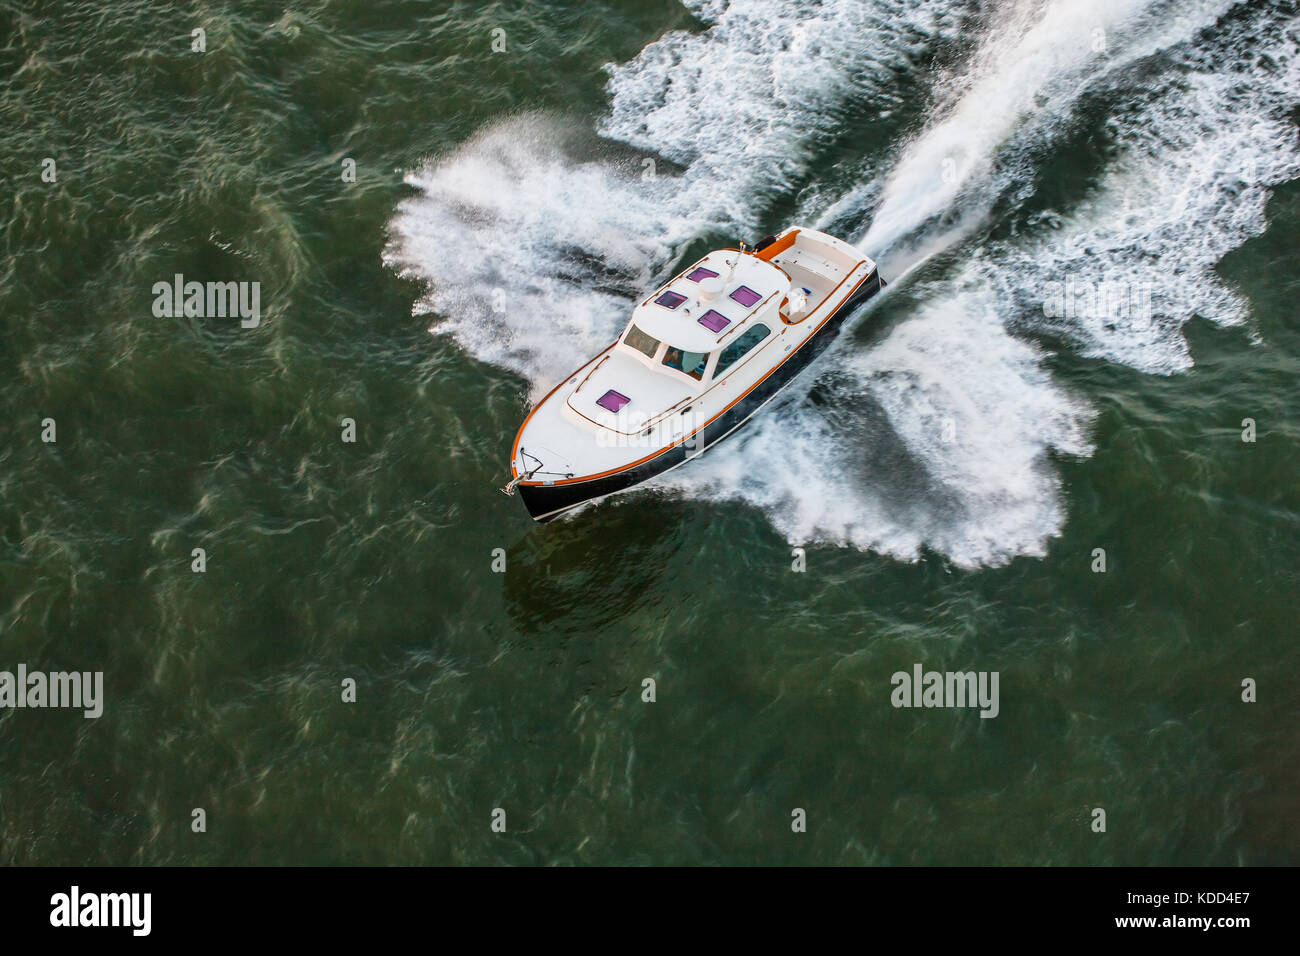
x,y
699,357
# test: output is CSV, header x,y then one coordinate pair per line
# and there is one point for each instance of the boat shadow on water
x,y
582,591
586,573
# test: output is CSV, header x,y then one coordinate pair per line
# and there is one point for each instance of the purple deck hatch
x,y
670,300
714,321
746,296
612,401
700,274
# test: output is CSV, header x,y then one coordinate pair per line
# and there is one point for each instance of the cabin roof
x,y
680,314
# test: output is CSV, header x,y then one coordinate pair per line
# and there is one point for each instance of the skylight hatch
x,y
612,401
714,321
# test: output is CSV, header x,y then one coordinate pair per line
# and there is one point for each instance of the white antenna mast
x,y
732,270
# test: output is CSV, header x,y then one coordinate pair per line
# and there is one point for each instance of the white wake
x,y
533,240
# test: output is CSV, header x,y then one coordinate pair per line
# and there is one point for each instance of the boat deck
x,y
816,264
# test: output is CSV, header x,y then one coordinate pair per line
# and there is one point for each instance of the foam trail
x,y
745,104
1036,59
1028,52
528,250
1189,184
940,436
533,241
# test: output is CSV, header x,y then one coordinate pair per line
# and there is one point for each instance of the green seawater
x,y
522,689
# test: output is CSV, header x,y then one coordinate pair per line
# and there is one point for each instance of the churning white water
x,y
532,241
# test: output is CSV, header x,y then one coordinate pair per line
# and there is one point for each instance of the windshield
x,y
692,363
647,345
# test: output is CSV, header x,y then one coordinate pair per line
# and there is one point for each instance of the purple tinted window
x,y
670,300
714,321
700,274
612,400
746,296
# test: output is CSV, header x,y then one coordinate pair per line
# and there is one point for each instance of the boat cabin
x,y
685,337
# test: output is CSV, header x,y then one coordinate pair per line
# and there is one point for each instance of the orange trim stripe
x,y
778,247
